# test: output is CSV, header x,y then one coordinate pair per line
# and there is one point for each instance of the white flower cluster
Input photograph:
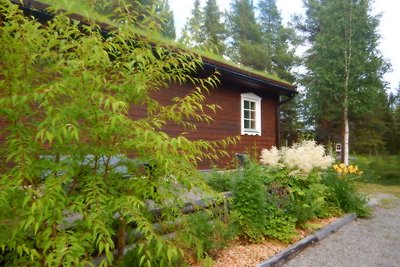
x,y
303,156
271,157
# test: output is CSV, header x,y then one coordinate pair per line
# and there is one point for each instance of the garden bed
x,y
243,253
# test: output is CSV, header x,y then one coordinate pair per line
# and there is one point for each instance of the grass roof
x,y
84,9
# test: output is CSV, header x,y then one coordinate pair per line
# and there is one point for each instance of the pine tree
x,y
393,124
214,30
280,43
344,65
192,34
167,20
147,12
246,46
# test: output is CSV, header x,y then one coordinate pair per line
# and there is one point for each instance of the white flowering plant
x,y
304,156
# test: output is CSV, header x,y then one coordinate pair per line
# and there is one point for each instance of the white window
x,y
338,147
251,114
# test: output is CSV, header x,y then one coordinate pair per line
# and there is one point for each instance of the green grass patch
x,y
384,170
381,174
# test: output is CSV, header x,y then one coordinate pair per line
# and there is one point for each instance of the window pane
x,y
246,124
247,114
253,105
246,104
253,115
253,125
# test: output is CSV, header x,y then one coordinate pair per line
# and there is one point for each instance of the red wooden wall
x,y
226,120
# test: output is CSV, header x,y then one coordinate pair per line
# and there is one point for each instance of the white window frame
x,y
338,147
257,100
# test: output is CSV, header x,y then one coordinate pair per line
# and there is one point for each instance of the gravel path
x,y
362,243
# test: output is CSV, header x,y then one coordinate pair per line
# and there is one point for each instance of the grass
x,y
381,174
373,188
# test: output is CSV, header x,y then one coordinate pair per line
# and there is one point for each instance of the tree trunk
x,y
121,238
347,66
346,134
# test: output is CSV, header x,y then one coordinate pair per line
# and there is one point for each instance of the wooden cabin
x,y
249,105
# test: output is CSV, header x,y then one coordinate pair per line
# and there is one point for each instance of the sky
x,y
388,29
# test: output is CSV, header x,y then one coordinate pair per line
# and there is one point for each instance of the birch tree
x,y
344,65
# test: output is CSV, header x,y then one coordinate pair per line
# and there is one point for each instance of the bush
x,y
152,253
258,215
342,193
249,200
381,169
204,233
65,97
304,156
222,181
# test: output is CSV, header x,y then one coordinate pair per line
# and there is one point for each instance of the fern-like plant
x,y
66,91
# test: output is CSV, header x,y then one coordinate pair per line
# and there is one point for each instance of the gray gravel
x,y
361,243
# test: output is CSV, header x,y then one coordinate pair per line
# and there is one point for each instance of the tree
x,y
214,30
393,123
280,43
373,128
192,34
344,65
68,187
167,20
246,45
271,26
146,12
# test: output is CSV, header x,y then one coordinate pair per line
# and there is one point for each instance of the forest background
x,y
341,71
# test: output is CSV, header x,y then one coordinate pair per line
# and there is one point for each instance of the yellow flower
x,y
336,167
352,169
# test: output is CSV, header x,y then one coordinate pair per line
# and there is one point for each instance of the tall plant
x,y
344,65
66,93
246,46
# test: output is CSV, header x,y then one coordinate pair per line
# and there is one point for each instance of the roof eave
x,y
281,88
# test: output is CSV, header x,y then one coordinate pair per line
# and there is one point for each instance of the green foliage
x,y
204,29
345,67
383,170
246,46
65,97
342,193
259,216
249,200
222,181
308,194
301,196
205,233
153,253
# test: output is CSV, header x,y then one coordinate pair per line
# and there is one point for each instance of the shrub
x,y
381,169
152,253
222,181
259,214
204,233
301,196
304,156
342,193
279,224
65,96
249,200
